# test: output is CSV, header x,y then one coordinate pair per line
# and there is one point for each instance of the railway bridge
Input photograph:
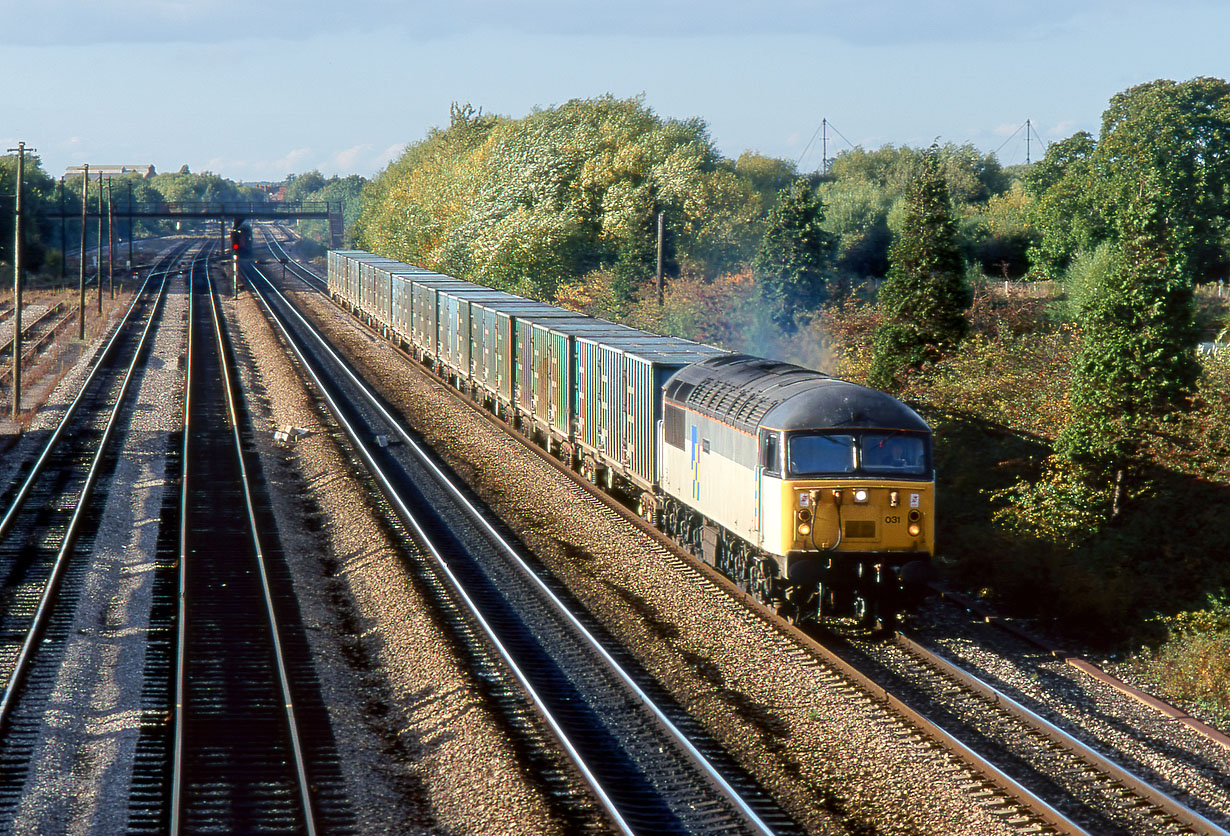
x,y
236,212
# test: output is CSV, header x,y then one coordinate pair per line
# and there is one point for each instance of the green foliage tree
x,y
999,238
534,203
923,300
1170,138
1064,211
1137,366
314,187
795,255
856,213
971,176
767,175
38,191
1166,146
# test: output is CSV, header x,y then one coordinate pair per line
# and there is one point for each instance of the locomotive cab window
x,y
815,454
770,453
894,453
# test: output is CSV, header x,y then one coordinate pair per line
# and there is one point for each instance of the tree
x,y
38,192
1171,138
795,254
1168,144
1137,365
535,203
856,213
923,300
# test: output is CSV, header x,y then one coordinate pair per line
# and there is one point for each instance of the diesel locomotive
x,y
815,494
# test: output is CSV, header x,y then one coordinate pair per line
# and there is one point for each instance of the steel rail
x,y
51,587
713,775
1084,666
177,744
304,275
28,327
50,446
36,343
288,704
1128,779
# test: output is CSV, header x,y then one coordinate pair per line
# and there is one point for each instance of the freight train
x,y
814,494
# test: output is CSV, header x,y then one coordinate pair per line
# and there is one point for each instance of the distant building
x,y
111,170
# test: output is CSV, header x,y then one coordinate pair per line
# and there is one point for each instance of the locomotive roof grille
x,y
748,392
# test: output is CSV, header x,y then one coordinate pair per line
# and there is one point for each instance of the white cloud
x,y
348,159
391,153
294,161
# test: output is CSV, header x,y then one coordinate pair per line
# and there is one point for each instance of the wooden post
x,y
100,243
110,241
85,230
18,209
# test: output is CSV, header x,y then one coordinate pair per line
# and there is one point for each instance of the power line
x,y
1011,137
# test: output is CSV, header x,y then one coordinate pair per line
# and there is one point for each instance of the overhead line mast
x,y
18,211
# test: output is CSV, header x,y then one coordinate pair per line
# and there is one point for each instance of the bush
x,y
1193,664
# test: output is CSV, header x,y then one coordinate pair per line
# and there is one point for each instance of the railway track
x,y
239,760
1059,799
46,528
1090,788
298,270
648,774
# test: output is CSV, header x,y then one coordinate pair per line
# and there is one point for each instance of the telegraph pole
x,y
100,243
131,233
63,235
110,241
85,230
17,219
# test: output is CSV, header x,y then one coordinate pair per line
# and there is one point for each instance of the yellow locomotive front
x,y
854,514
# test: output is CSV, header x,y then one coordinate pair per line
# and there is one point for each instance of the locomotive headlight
x,y
860,496
915,526
915,529
804,526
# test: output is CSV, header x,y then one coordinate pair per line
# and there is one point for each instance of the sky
x,y
258,89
